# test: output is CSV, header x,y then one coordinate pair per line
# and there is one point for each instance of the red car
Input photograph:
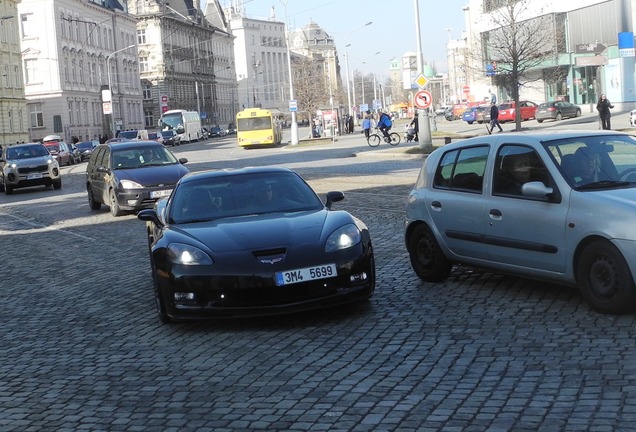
x,y
507,111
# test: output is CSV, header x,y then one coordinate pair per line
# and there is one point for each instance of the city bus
x,y
187,124
258,127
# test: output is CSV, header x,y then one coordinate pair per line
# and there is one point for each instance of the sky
x,y
392,32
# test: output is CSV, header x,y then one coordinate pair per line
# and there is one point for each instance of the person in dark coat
x,y
603,107
494,117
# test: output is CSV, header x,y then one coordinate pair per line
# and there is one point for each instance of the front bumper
x,y
32,176
139,199
249,295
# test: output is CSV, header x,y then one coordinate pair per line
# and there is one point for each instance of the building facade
x,y
71,51
13,105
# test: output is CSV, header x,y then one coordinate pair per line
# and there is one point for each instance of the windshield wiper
x,y
604,184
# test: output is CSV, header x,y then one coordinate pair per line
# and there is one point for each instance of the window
x,y
30,70
141,36
147,91
35,115
516,165
462,169
149,120
143,64
57,124
26,26
11,121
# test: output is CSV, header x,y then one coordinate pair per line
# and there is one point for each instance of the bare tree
x,y
309,84
521,46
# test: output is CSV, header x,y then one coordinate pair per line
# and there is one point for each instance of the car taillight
x,y
552,109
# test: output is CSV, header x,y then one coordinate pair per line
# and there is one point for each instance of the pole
x,y
110,87
426,141
348,80
294,123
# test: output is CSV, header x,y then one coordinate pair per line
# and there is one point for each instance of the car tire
x,y
559,117
578,113
540,121
94,205
8,189
427,259
114,204
604,278
2,185
57,184
160,303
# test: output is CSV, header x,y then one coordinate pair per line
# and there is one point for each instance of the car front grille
x,y
27,170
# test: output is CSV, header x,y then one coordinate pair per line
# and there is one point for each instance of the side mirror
x,y
536,189
183,161
149,215
333,197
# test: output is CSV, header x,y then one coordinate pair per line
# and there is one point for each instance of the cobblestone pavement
x,y
82,348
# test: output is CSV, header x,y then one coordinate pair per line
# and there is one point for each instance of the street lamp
x,y
294,123
110,88
347,64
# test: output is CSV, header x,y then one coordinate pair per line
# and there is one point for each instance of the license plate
x,y
306,274
160,193
34,176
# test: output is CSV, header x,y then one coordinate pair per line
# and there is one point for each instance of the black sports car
x,y
254,241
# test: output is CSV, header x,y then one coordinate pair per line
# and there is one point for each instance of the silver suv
x,y
26,165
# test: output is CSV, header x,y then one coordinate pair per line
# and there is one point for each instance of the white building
x,y
13,109
260,52
71,50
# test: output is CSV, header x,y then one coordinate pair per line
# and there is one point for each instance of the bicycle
x,y
375,139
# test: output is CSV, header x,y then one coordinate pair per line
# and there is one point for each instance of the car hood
x,y
30,162
258,232
166,174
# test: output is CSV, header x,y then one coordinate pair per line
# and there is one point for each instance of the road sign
x,y
107,108
589,48
423,99
293,105
466,89
421,81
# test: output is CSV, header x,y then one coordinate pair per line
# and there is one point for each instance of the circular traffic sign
x,y
423,99
466,89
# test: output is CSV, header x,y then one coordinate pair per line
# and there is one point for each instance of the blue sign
x,y
625,40
203,114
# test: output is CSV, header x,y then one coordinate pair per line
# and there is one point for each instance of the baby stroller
x,y
410,134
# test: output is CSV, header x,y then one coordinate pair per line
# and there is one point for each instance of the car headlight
x,y
129,184
14,166
342,238
180,253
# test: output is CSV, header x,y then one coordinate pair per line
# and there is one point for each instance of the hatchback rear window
x,y
505,106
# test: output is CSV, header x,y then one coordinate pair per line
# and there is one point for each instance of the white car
x,y
632,118
557,206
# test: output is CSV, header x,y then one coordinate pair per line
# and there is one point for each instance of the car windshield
x,y
26,152
87,145
546,105
241,195
168,134
596,162
141,157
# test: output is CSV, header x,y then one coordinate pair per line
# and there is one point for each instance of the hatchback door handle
x,y
495,212
436,204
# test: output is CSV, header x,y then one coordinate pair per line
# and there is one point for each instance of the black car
x,y
131,175
75,156
254,241
170,138
557,110
86,149
217,132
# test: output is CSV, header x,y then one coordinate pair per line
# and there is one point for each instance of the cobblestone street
x,y
82,348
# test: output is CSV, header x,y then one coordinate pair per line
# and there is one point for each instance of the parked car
x,y
632,118
86,148
254,241
26,165
170,138
557,110
131,175
216,132
480,113
59,150
155,136
507,111
442,110
478,202
470,115
75,155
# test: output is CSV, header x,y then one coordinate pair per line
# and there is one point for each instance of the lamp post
x,y
294,123
426,140
347,63
110,88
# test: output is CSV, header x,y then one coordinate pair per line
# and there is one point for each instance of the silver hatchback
x,y
557,206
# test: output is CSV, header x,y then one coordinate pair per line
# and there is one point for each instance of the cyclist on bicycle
x,y
385,124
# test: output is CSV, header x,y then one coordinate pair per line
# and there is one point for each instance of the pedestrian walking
x,y
366,126
603,107
494,117
415,126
